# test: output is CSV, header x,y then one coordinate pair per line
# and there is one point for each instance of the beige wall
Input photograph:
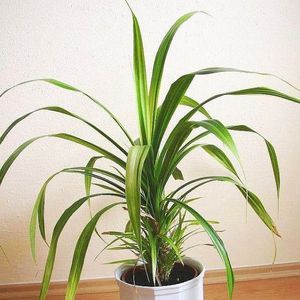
x,y
88,44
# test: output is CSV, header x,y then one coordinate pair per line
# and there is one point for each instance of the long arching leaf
x,y
65,112
258,207
38,213
88,179
271,151
251,198
178,89
159,63
214,70
80,251
178,136
213,151
140,77
56,234
253,91
72,88
34,217
134,168
168,107
270,147
64,136
220,156
216,240
187,101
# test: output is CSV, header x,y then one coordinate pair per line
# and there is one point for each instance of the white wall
x,y
89,45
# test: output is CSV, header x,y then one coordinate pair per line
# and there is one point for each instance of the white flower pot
x,y
189,290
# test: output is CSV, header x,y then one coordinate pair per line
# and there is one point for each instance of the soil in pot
x,y
180,273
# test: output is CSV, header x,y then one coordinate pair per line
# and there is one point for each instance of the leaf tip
x,y
276,231
127,3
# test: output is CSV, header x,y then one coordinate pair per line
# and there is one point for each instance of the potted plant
x,y
159,221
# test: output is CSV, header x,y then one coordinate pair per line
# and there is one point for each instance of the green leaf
x,y
41,212
178,157
216,240
173,246
38,213
73,89
91,172
61,84
64,136
106,247
56,234
220,131
159,63
168,107
252,199
254,91
88,179
275,166
171,154
271,151
134,167
187,101
128,227
87,184
220,156
177,174
61,110
118,233
119,172
258,207
140,77
106,187
179,87
214,70
5,167
171,147
130,262
94,147
154,253
80,252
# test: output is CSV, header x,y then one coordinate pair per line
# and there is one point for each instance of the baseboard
x,y
102,286
255,273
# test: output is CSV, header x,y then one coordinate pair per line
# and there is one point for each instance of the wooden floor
x,y
268,289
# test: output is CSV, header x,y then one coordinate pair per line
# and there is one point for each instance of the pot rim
x,y
187,260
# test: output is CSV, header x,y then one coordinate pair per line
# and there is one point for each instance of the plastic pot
x,y
188,290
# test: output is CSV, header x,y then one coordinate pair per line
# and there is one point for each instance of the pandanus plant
x,y
159,221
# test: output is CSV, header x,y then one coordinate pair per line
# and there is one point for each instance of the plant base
x,y
188,290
